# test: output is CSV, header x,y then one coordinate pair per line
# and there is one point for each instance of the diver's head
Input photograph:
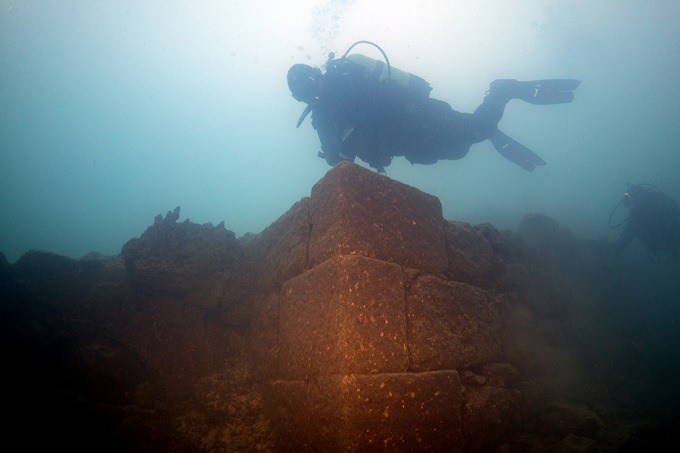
x,y
632,195
304,81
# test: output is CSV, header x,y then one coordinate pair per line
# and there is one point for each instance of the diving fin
x,y
539,92
515,152
551,91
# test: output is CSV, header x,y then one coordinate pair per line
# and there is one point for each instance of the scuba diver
x,y
366,108
654,218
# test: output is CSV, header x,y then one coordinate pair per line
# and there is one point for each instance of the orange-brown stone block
x,y
451,325
356,212
346,315
375,412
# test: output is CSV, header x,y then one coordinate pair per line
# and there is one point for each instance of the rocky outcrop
x,y
360,320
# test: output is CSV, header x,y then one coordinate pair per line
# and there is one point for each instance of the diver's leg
x,y
515,151
487,116
483,123
433,130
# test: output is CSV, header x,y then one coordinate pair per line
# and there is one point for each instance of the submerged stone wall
x,y
381,341
359,320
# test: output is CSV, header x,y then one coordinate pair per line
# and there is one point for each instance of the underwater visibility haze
x,y
114,112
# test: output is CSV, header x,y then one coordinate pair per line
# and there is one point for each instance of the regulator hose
x,y
648,187
387,61
612,215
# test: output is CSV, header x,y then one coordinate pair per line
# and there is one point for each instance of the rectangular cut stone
x,y
386,412
280,251
451,325
355,211
346,315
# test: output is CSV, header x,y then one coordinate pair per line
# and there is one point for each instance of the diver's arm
x,y
346,90
332,151
333,140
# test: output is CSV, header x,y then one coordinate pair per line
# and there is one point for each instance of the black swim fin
x,y
515,152
552,91
540,92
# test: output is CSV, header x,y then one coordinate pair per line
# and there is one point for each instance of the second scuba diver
x,y
654,218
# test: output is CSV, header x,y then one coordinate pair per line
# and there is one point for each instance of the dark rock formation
x,y
359,320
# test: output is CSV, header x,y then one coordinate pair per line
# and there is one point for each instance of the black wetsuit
x,y
356,115
654,219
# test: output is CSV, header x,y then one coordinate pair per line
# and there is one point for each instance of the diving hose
x,y
387,61
625,195
612,215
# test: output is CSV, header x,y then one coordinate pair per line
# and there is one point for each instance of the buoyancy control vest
x,y
415,87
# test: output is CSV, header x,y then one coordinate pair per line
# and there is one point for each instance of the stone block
x,y
375,412
280,251
346,315
451,325
355,211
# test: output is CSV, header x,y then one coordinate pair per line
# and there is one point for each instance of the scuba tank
x,y
417,87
